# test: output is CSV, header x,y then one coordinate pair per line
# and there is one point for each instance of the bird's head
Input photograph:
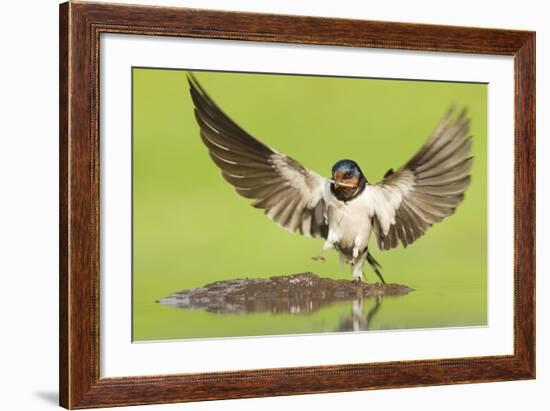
x,y
347,179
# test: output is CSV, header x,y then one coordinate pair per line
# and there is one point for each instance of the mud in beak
x,y
343,183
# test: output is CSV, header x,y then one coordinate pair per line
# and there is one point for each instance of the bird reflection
x,y
357,320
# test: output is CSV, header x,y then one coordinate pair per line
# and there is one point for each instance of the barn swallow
x,y
345,208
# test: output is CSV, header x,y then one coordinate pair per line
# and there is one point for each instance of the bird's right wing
x,y
427,189
290,194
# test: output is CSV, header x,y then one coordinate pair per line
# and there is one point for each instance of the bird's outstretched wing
x,y
290,194
428,188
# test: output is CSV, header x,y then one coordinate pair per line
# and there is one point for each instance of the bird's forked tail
x,y
375,265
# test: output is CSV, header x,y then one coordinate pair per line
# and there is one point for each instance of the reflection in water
x,y
358,320
292,303
229,298
228,310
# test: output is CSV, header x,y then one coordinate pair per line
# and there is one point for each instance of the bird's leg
x,y
342,263
327,246
356,251
357,247
319,257
357,270
358,260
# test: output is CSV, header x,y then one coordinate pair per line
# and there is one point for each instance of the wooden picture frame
x,y
80,27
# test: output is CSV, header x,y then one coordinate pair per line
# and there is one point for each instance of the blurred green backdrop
x,y
190,228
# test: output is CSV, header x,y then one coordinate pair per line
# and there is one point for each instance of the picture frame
x,y
80,381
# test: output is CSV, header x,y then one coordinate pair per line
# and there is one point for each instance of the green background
x,y
190,228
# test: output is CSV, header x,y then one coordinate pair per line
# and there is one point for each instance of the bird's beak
x,y
341,183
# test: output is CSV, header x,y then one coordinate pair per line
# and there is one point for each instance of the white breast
x,y
349,223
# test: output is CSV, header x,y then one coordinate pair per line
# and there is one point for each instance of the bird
x,y
345,208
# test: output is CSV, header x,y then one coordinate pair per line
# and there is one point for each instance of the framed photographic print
x,y
256,205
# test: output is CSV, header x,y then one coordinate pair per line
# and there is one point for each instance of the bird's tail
x,y
375,265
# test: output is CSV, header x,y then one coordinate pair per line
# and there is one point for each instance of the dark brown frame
x,y
79,380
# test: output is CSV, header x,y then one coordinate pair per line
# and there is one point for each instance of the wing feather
x,y
289,194
427,189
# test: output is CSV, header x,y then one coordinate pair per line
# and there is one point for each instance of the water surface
x,y
429,308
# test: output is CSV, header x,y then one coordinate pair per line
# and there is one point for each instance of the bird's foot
x,y
319,257
357,281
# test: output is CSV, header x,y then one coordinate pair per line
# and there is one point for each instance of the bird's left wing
x,y
426,189
290,194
